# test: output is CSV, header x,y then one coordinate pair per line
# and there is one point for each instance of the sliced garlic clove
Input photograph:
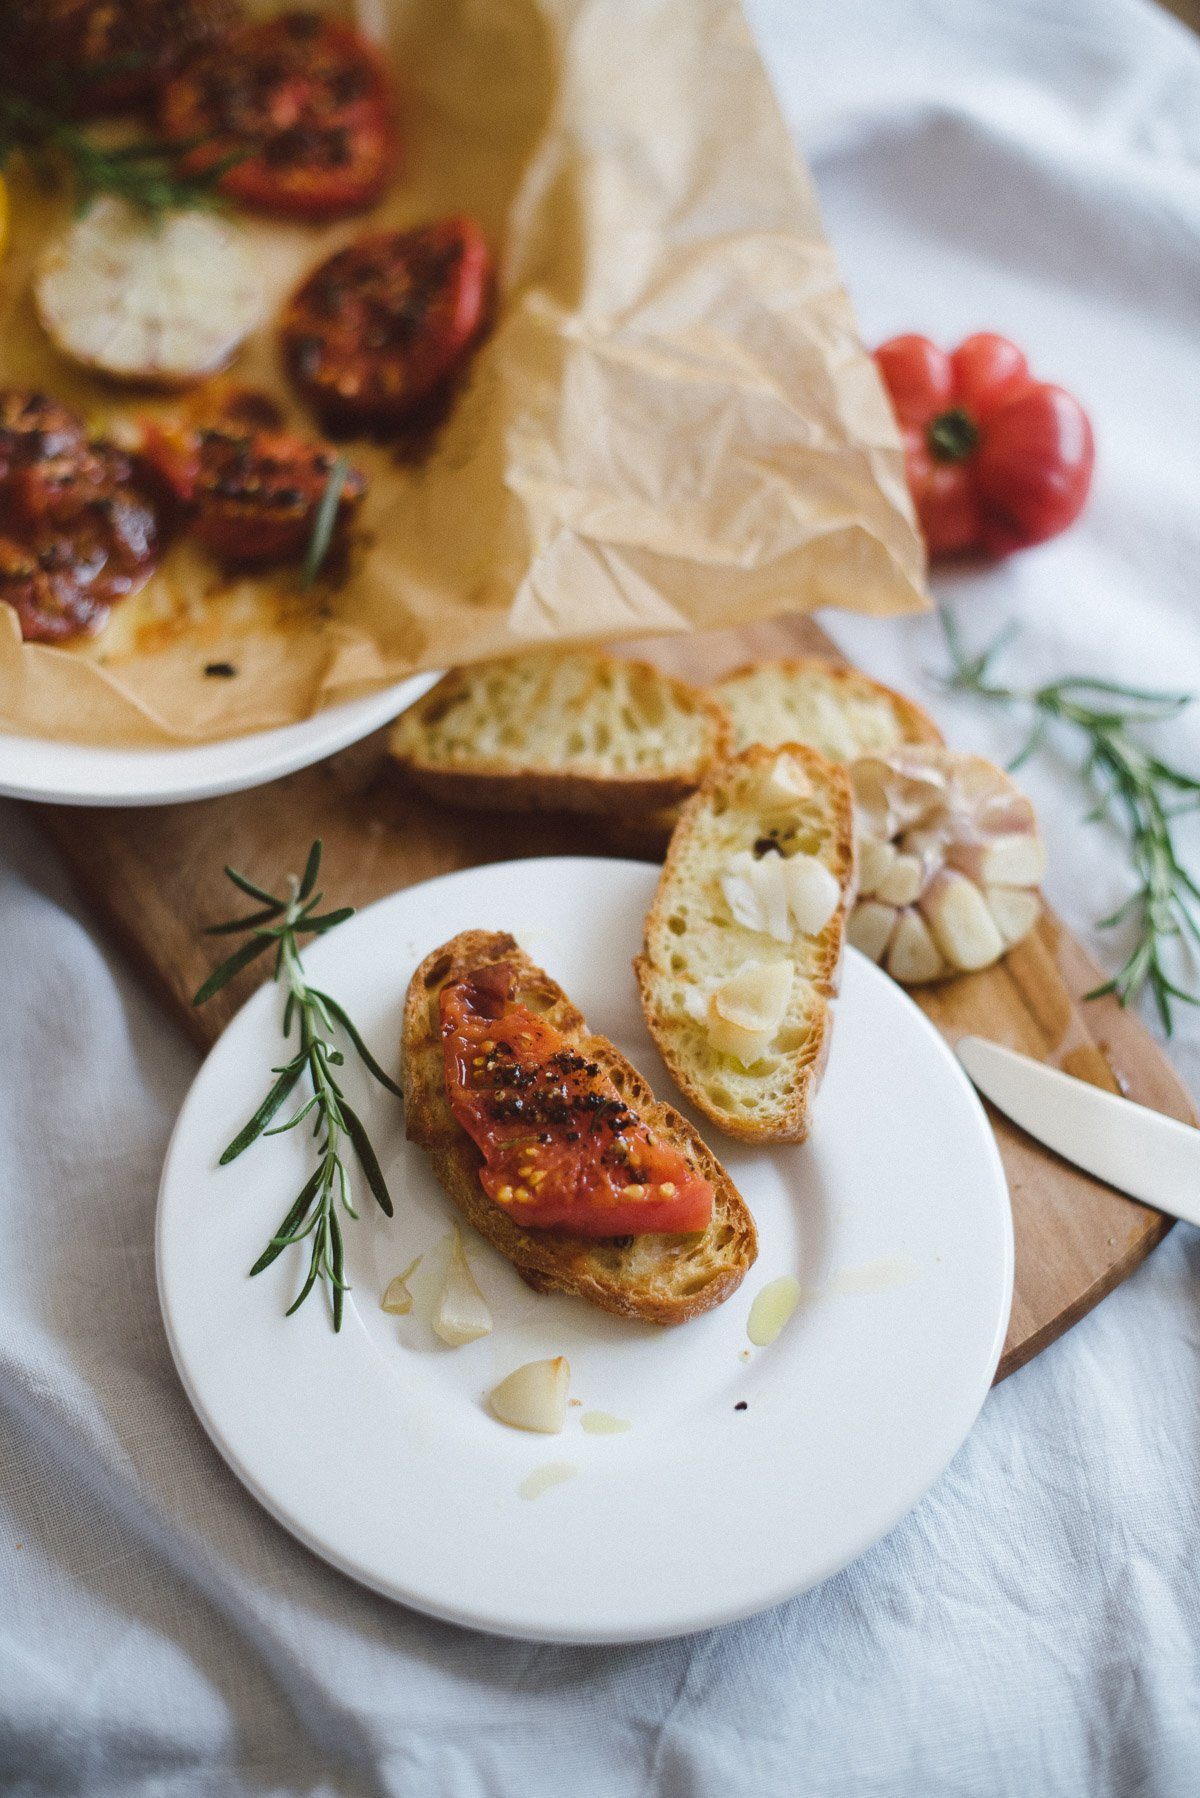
x,y
913,957
813,892
961,924
870,926
772,893
1017,859
534,1397
746,1010
783,783
903,882
1015,909
397,1300
462,1313
874,859
739,890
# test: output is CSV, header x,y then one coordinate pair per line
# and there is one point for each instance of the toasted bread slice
x,y
697,950
834,709
660,1279
577,732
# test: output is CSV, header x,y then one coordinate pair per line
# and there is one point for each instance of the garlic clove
x,y
870,927
772,893
960,922
1007,812
740,892
903,881
534,1397
1015,909
462,1314
813,892
782,783
746,1010
874,860
1017,859
913,957
397,1300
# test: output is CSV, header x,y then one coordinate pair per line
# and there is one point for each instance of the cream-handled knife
x,y
1142,1153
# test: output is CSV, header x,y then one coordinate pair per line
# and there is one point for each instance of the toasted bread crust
x,y
659,1279
506,783
791,1119
615,796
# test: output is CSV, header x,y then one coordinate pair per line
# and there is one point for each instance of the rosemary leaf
x,y
251,1131
312,868
324,522
296,1215
241,958
361,1049
318,925
356,1131
250,922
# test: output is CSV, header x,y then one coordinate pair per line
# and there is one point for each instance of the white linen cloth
x,y
1034,1627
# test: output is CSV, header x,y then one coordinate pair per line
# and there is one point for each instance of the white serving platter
x,y
61,773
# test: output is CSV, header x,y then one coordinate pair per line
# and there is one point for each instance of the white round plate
x,y
80,774
376,1447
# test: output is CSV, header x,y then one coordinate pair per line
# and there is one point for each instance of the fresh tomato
x,y
302,103
254,492
77,530
107,57
384,323
996,460
561,1149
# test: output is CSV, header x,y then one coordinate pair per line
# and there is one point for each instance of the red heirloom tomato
x,y
77,532
254,492
304,102
996,460
561,1149
376,329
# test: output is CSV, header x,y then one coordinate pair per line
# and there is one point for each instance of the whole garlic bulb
x,y
950,858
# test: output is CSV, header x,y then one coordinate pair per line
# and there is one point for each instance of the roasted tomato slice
x,y
77,529
255,492
34,427
107,57
561,1149
303,102
385,322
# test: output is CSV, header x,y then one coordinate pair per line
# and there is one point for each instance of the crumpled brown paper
x,y
672,425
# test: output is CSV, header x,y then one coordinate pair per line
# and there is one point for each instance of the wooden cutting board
x,y
154,877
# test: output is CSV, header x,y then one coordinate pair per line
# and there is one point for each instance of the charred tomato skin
x,y
385,323
560,1149
78,526
253,493
113,58
304,103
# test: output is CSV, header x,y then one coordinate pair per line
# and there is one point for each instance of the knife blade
x,y
1142,1153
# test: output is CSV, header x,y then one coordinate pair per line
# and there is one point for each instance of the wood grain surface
x,y
154,878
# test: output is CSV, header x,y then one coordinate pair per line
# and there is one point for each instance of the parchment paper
x,y
672,425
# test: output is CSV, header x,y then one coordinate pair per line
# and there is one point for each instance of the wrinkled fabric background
x,y
1034,1627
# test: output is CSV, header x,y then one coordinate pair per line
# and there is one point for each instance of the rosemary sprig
x,y
324,522
1145,793
144,172
278,925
